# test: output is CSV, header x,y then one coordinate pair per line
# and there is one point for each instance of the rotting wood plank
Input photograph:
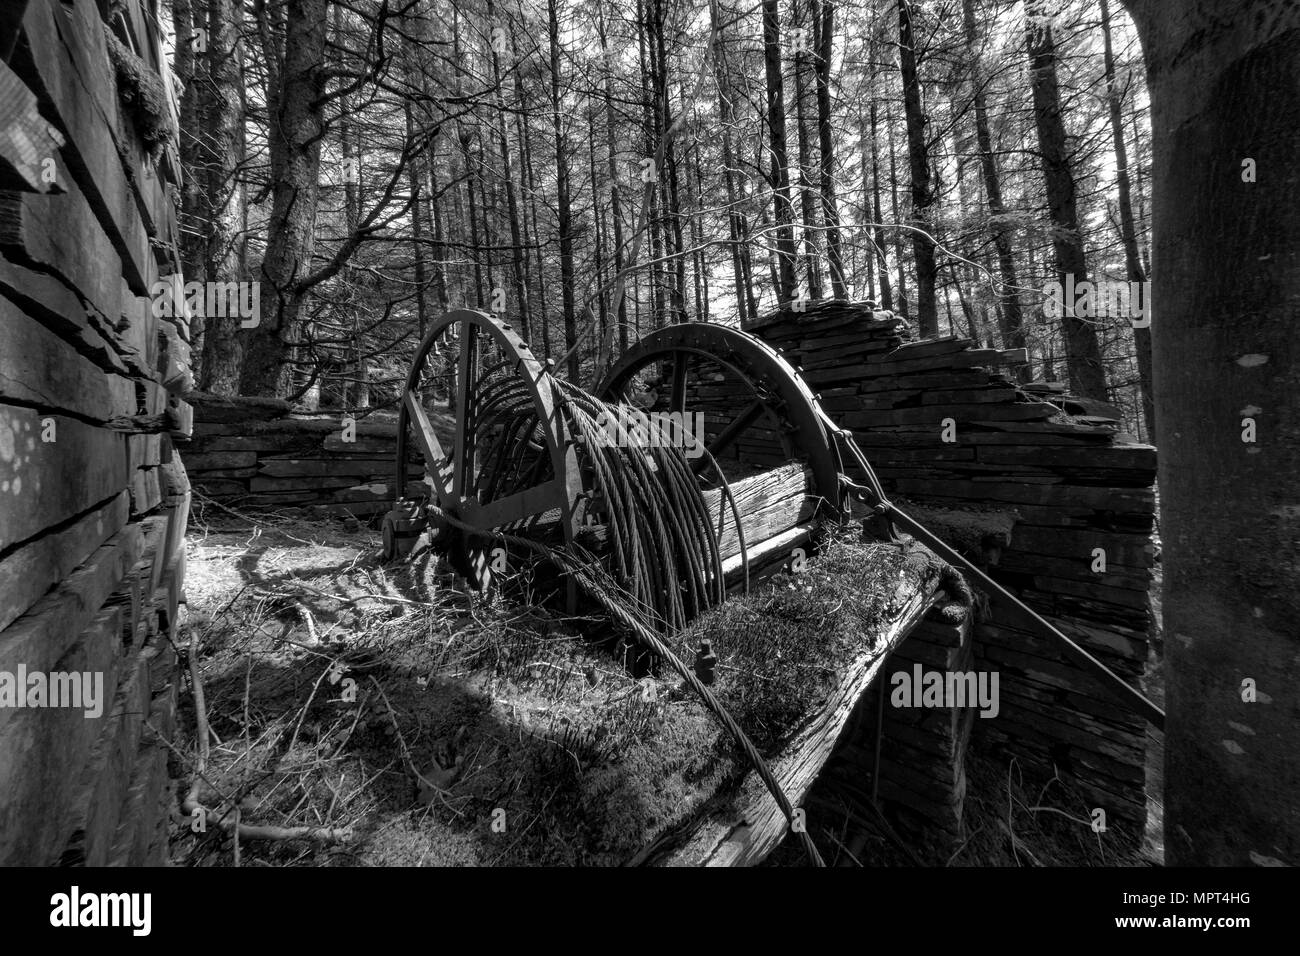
x,y
753,825
766,557
769,503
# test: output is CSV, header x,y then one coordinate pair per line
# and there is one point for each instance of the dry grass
x,y
482,732
461,707
490,732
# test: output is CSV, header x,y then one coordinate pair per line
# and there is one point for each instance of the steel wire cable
x,y
600,587
660,539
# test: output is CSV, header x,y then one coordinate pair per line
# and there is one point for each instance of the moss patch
x,y
143,95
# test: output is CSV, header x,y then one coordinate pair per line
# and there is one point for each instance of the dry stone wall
x,y
950,432
93,496
253,453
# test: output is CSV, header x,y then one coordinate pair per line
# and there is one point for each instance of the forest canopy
x,y
591,171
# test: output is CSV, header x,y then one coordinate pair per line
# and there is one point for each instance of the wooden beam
x,y
729,434
766,557
434,457
463,461
528,503
746,833
769,502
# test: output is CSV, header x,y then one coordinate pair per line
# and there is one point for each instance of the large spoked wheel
x,y
756,409
481,410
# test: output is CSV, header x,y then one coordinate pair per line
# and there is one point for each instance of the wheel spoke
x,y
731,433
678,398
435,459
549,496
464,463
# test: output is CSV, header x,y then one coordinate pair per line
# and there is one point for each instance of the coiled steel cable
x,y
663,547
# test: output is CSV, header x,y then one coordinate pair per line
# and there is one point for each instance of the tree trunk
x,y
823,12
534,231
1127,229
600,231
669,174
1082,350
865,145
213,199
898,233
615,197
877,233
1226,337
488,206
463,138
650,196
358,395
195,155
772,264
737,226
562,197
700,262
433,203
779,179
923,194
294,144
519,253
812,255
1011,313
417,233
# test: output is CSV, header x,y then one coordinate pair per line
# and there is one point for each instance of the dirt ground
x,y
382,705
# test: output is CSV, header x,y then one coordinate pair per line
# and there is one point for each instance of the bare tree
x,y
1082,350
779,178
923,191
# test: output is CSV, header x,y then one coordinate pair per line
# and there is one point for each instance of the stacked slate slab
x,y
93,496
919,775
255,454
945,425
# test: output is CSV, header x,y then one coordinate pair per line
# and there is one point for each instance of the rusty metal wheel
x,y
482,411
757,409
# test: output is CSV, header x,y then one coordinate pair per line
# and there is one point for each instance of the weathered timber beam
x,y
769,503
753,826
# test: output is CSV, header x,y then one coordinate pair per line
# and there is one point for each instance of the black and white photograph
x,y
547,435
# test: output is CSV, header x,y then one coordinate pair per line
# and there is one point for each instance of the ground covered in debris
x,y
376,714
